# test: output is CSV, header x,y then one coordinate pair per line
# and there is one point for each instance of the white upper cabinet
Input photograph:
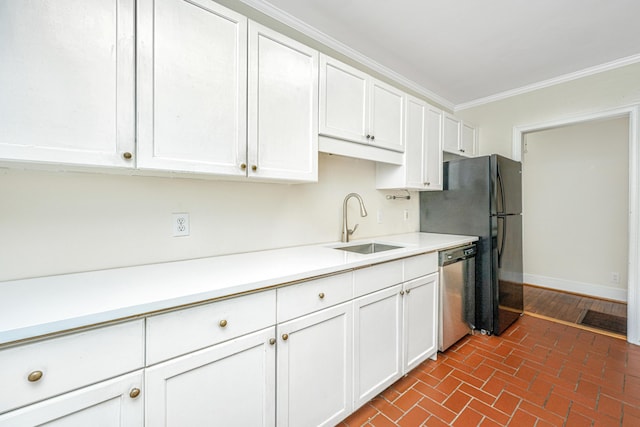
x,y
422,166
386,119
192,79
67,82
459,137
356,107
219,95
344,101
468,139
451,133
283,107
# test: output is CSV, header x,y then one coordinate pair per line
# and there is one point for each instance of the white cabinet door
x,y
433,148
422,167
377,343
112,403
451,134
386,117
344,101
283,107
314,368
230,384
416,138
356,107
468,139
420,320
192,78
67,82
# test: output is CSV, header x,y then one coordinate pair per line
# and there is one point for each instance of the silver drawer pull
x,y
35,376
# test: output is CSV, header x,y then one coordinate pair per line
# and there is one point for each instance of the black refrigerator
x,y
482,196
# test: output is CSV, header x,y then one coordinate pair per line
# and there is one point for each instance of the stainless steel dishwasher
x,y
457,294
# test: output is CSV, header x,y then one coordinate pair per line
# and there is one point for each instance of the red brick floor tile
x,y
388,409
577,420
467,418
448,385
438,410
403,384
558,404
362,416
414,417
541,413
435,422
507,403
441,371
522,419
390,394
457,401
466,378
538,373
490,423
630,421
526,373
408,400
381,421
494,386
476,393
489,412
483,372
428,391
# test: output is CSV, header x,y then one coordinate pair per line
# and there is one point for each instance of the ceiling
x,y
463,51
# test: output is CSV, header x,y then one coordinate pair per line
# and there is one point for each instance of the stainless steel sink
x,y
368,248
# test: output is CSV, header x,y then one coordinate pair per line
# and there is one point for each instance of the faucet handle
x,y
355,227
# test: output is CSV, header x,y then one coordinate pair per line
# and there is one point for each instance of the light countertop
x,y
34,307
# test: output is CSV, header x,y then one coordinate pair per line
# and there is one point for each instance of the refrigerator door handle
x,y
502,209
503,226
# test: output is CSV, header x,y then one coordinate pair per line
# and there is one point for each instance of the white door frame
x,y
633,113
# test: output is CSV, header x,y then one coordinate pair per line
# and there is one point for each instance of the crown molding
x,y
550,82
306,29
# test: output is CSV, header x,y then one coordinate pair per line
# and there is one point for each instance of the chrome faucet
x,y
363,212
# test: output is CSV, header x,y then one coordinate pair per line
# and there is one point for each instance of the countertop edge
x,y
414,244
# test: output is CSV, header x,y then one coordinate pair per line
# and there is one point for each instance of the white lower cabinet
x,y
314,368
420,320
229,384
113,403
339,341
377,342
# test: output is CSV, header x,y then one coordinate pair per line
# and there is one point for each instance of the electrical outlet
x,y
615,277
405,215
180,224
380,216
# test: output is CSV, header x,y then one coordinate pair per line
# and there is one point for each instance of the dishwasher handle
x,y
458,254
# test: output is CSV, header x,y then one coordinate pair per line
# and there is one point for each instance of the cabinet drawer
x,y
420,265
307,297
377,277
68,362
184,331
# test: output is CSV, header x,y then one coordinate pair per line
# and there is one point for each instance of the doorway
x,y
524,136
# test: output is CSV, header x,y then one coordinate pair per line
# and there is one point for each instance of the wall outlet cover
x,y
180,224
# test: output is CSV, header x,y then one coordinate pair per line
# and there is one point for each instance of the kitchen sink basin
x,y
368,248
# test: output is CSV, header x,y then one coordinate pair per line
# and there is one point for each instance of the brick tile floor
x,y
538,373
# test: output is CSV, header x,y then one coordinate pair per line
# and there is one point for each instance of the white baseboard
x,y
590,289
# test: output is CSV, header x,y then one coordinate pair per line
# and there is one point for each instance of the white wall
x,y
575,202
607,90
62,222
